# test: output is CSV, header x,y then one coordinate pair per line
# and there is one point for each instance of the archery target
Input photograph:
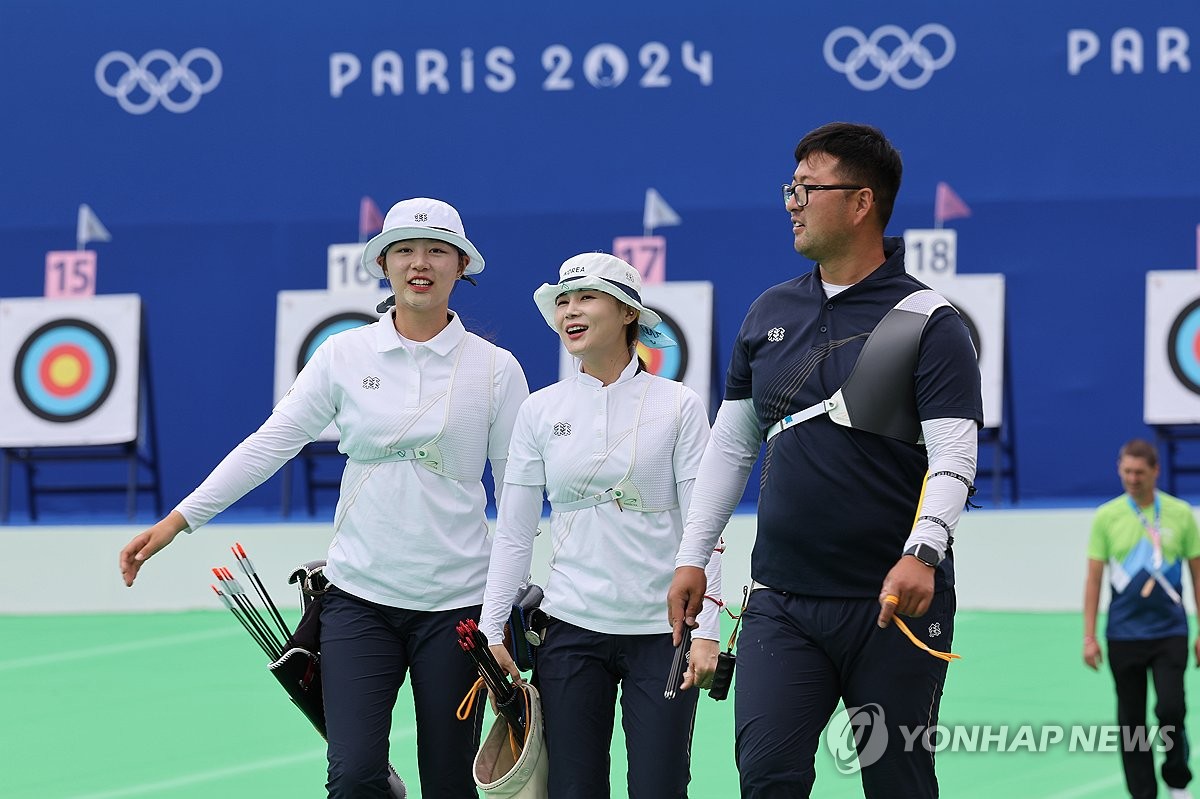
x,y
72,371
979,300
304,319
65,370
1183,347
671,362
1172,347
326,328
686,308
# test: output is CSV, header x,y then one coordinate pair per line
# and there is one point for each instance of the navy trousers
x,y
798,655
577,673
1166,661
367,650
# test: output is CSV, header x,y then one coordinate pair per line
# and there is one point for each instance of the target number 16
x,y
931,253
346,272
71,273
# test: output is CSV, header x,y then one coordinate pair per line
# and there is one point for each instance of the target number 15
x,y
71,273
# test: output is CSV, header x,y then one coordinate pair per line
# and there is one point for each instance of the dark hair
x,y
631,335
1140,448
865,157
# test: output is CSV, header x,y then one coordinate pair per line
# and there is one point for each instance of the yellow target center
x,y
66,370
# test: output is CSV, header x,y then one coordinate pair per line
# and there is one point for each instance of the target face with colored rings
x,y
326,328
1183,347
671,362
65,370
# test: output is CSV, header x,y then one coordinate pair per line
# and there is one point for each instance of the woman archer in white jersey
x,y
420,405
615,449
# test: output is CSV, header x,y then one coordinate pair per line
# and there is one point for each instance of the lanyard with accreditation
x,y
1154,533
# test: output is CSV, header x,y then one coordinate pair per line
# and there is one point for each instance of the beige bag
x,y
506,771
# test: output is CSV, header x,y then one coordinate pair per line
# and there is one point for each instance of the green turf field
x,y
181,706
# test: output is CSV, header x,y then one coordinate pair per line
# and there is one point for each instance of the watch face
x,y
924,553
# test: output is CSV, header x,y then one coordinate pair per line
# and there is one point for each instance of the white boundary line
x,y
206,776
114,649
220,774
1090,789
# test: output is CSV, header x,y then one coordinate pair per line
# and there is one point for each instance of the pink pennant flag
x,y
370,221
948,205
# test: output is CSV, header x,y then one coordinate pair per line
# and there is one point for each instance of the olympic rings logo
x,y
909,49
158,85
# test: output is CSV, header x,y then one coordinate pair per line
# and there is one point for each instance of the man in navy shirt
x,y
849,465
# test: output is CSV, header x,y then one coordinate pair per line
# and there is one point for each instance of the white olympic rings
x,y
909,49
158,87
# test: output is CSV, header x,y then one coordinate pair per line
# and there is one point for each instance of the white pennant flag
x,y
657,213
89,227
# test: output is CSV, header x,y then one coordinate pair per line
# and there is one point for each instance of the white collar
x,y
387,338
628,373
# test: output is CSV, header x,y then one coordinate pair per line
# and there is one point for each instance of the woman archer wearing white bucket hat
x,y
615,449
420,405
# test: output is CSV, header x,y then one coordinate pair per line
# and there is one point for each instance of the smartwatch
x,y
925,553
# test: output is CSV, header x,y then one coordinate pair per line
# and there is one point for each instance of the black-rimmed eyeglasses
x,y
799,191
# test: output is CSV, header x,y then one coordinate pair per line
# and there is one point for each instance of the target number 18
x,y
71,273
931,253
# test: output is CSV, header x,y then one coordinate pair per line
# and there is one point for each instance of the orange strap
x,y
894,600
946,656
468,703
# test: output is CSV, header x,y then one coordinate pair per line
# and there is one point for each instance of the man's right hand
x,y
684,599
147,543
1091,654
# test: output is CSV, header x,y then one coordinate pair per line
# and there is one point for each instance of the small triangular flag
x,y
370,221
948,205
88,227
657,213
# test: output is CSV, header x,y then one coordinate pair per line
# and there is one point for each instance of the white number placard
x,y
931,253
345,269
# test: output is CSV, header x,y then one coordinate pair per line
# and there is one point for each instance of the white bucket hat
x,y
421,218
600,271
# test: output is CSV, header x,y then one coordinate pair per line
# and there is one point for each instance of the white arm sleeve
x,y
953,446
710,613
498,478
728,459
512,554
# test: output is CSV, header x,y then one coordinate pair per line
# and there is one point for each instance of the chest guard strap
x,y
879,396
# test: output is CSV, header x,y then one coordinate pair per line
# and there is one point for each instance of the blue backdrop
x,y
1068,128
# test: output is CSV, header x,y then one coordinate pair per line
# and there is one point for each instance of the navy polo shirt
x,y
836,504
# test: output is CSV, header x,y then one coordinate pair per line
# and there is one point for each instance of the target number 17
x,y
71,273
647,254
